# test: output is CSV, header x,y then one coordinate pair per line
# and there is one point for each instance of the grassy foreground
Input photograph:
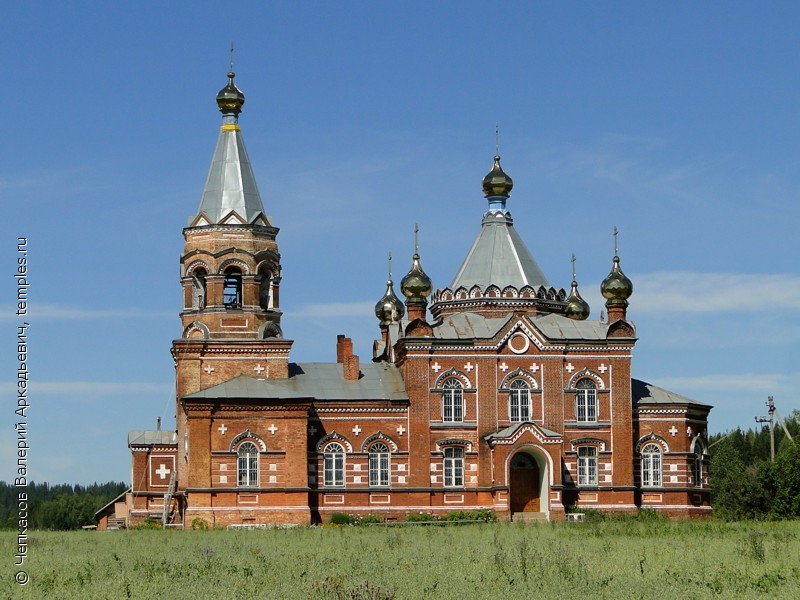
x,y
610,559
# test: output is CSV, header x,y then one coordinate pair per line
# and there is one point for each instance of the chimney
x,y
345,356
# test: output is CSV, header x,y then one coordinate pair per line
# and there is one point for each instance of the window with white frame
x,y
651,465
453,466
586,401
519,400
697,465
247,464
452,400
379,465
587,465
334,465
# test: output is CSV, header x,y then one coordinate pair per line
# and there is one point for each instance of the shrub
x,y
342,519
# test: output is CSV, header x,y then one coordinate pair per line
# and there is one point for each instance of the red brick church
x,y
497,392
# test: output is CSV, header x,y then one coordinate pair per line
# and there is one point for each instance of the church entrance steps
x,y
529,517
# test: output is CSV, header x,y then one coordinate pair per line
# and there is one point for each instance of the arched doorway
x,y
525,484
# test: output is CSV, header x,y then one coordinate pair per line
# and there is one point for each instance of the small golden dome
x,y
389,309
416,285
616,287
230,98
497,183
577,308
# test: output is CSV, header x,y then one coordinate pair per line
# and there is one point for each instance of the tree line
x,y
745,483
63,506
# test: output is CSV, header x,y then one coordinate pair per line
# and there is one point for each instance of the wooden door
x,y
524,483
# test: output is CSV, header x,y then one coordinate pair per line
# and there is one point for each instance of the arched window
x,y
519,400
651,465
334,465
247,463
232,290
697,465
586,401
587,465
264,290
453,400
453,467
199,289
379,461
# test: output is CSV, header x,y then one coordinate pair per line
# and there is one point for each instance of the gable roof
x,y
319,381
647,393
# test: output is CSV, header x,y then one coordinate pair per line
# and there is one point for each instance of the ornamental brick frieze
x,y
358,410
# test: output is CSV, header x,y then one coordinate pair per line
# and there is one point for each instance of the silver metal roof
x,y
230,185
647,393
469,325
461,326
498,257
559,327
319,381
511,430
152,437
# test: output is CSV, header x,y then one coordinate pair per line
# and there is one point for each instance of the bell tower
x,y
230,273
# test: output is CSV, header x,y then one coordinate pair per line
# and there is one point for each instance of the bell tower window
x,y
232,290
264,289
199,289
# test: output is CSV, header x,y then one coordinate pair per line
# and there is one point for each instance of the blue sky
x,y
677,122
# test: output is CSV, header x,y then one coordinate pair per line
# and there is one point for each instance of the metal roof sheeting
x,y
319,381
499,257
647,393
469,325
151,437
558,327
231,185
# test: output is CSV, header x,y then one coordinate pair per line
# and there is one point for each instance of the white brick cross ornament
x,y
222,429
401,430
569,368
259,369
503,367
208,369
468,367
673,430
272,429
356,430
163,471
436,367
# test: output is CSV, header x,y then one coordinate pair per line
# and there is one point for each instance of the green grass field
x,y
610,559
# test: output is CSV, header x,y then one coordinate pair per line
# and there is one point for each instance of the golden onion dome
x,y
577,308
497,183
389,309
416,285
616,287
230,98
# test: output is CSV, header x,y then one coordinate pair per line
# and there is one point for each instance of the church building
x,y
495,393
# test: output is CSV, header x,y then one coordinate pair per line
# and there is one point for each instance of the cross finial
x,y
416,238
497,139
616,247
390,264
231,56
573,266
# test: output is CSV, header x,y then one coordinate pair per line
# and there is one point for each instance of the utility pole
x,y
771,420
